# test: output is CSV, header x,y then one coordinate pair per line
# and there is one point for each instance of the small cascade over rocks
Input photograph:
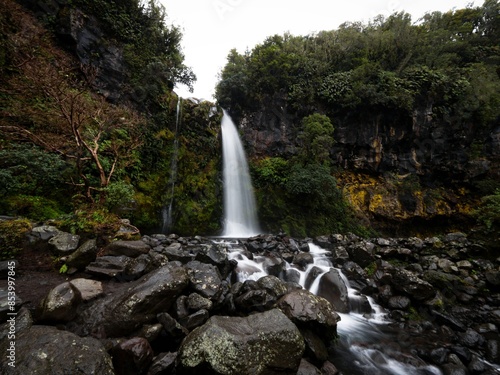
x,y
199,305
240,210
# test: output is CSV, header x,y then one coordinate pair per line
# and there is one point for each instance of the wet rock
x,y
132,357
23,321
328,368
197,302
471,338
315,347
399,302
361,253
109,266
310,312
64,243
125,311
195,320
42,233
452,369
163,364
176,252
216,255
255,300
205,279
274,266
139,266
130,249
262,343
332,288
89,289
307,368
302,260
83,256
172,326
406,281
60,304
493,277
48,351
272,285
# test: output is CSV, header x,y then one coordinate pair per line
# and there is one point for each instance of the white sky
x,y
211,28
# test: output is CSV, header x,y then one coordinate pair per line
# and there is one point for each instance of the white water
x,y
240,212
366,343
167,211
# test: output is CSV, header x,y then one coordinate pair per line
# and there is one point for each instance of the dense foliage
x,y
447,62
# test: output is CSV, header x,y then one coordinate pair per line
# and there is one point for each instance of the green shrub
x,y
35,207
12,236
488,213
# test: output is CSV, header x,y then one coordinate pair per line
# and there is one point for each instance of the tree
x,y
317,139
50,106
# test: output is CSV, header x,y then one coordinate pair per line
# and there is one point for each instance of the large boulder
x,y
44,350
310,312
125,311
333,288
262,343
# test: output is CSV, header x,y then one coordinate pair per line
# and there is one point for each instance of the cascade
x,y
367,343
167,210
240,212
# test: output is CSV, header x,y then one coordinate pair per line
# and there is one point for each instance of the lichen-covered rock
x,y
44,350
262,343
408,282
311,312
64,243
205,279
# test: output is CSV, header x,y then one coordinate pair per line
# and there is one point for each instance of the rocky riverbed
x,y
177,305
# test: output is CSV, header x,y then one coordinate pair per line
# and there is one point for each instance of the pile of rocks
x,y
180,310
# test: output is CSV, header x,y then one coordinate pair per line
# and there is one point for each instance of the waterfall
x,y
167,210
368,343
240,213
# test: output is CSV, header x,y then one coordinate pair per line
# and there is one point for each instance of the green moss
x,y
12,237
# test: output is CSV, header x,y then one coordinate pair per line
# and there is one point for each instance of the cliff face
x,y
401,174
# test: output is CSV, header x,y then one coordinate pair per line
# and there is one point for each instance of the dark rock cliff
x,y
393,168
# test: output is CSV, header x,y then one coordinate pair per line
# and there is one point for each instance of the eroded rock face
x,y
262,343
46,350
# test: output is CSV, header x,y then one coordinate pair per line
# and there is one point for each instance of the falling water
x,y
240,213
167,210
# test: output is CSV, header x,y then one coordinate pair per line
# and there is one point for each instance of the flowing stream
x,y
368,344
240,212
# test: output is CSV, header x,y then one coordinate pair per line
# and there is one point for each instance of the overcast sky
x,y
211,28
